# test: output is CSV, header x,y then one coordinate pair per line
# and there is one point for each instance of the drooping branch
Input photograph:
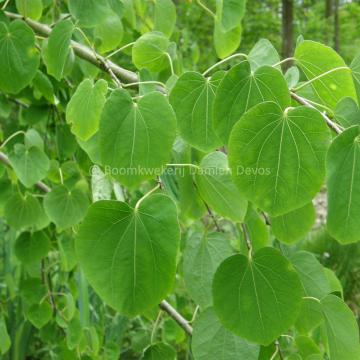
x,y
164,305
306,103
82,51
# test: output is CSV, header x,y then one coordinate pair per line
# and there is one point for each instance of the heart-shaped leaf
x,y
30,164
32,247
65,207
85,107
257,298
283,154
192,100
19,59
129,255
136,138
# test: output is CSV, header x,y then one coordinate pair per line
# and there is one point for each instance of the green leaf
x,y
202,255
315,59
5,341
19,59
43,86
109,33
150,51
58,49
136,138
341,328
226,42
343,184
85,108
39,314
310,316
230,13
347,112
32,247
263,53
355,67
334,282
65,207
216,188
192,100
311,274
241,89
284,153
89,13
159,351
257,229
133,267
165,16
211,341
30,164
30,9
292,76
294,225
23,212
257,298
67,252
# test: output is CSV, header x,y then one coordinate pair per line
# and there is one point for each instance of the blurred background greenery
x,y
333,22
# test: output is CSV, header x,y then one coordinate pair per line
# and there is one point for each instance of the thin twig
x,y
164,305
304,102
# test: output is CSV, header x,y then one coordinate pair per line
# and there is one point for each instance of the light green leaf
x,y
136,138
33,138
214,182
292,76
294,225
159,351
226,42
109,33
202,255
315,59
241,89
310,316
30,8
347,112
257,298
85,108
285,155
66,252
211,341
342,329
150,51
165,16
343,184
19,59
30,164
257,229
39,314
5,341
23,212
311,274
133,267
334,282
230,13
65,207
263,53
32,247
192,100
43,86
89,13
58,49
